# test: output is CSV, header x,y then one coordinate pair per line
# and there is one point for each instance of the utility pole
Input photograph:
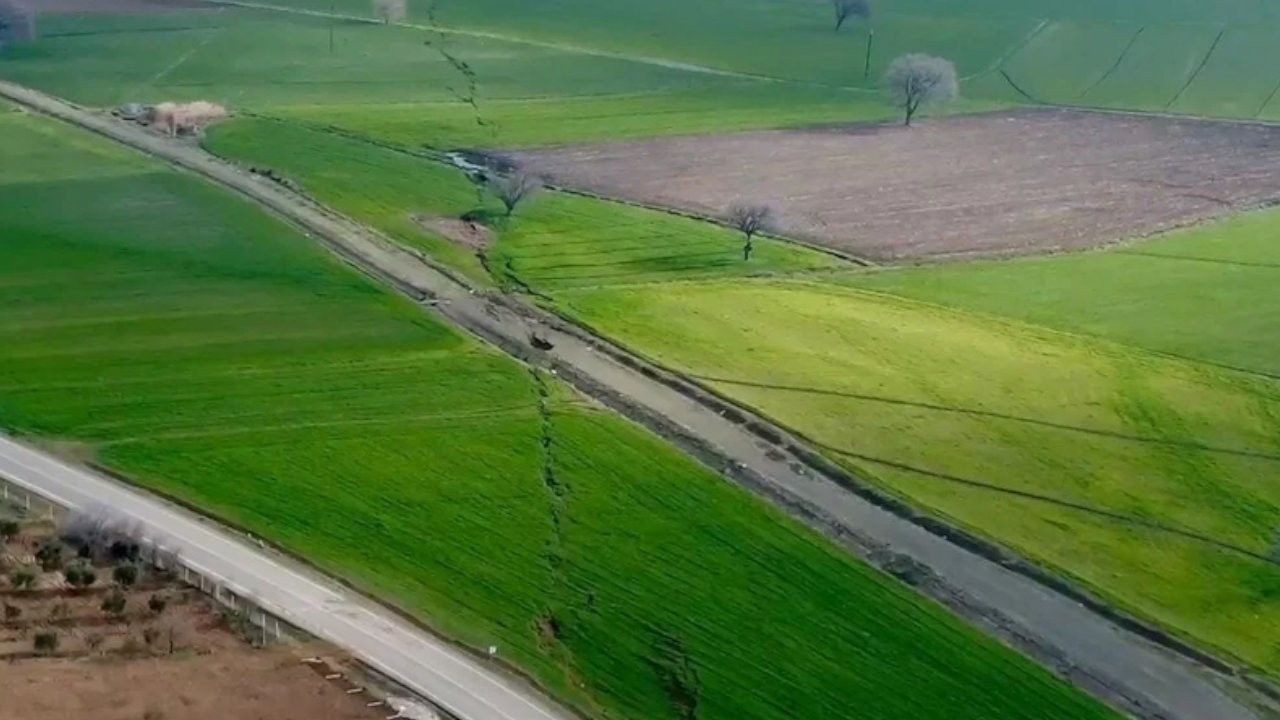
x,y
866,69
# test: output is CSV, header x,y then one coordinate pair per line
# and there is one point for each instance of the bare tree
x,y
513,188
916,80
846,9
749,220
389,11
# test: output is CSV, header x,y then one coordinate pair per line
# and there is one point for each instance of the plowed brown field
x,y
1010,182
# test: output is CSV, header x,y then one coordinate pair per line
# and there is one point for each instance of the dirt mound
x,y
466,233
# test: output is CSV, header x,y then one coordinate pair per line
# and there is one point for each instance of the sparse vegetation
x,y
45,642
115,603
22,578
157,604
125,575
50,555
80,575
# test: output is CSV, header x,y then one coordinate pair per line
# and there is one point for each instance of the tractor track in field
x,y
1134,666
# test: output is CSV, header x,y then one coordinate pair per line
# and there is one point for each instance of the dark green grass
x,y
556,240
1206,293
213,353
397,83
1067,53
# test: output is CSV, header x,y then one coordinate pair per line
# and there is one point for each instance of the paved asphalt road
x,y
1116,663
447,675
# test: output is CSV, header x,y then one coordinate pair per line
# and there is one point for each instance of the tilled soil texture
x,y
229,682
1013,182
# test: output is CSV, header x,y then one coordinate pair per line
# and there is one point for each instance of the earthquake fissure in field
x,y
1088,382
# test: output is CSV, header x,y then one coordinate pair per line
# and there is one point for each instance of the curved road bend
x,y
1156,682
441,672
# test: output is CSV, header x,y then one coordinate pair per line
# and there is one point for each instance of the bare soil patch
x,y
466,233
1012,182
113,6
184,660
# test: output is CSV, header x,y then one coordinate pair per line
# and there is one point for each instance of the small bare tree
x,y
513,188
916,80
391,11
846,9
749,220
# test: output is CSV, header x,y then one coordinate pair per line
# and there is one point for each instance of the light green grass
x,y
886,385
213,353
1206,292
1155,68
555,240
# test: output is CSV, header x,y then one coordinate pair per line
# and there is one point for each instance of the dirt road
x,y
1118,665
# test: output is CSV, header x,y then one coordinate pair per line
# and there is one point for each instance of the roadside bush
x,y
125,575
23,578
79,575
45,642
49,555
115,603
156,604
125,551
11,612
9,529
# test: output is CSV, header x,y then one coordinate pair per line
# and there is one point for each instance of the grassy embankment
x,y
214,354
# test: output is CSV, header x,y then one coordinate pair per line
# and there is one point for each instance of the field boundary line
x,y
1137,672
1116,65
216,31
1013,50
1199,68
